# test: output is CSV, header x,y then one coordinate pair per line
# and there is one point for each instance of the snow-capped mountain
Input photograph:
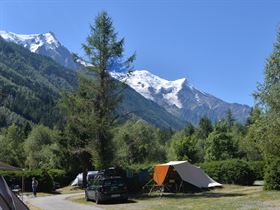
x,y
152,87
180,97
44,44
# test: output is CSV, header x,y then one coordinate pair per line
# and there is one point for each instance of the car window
x,y
110,182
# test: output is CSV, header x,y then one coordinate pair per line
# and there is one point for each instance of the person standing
x,y
34,186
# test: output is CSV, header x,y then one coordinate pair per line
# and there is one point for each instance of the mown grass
x,y
230,197
31,207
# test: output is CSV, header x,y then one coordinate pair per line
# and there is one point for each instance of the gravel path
x,y
59,202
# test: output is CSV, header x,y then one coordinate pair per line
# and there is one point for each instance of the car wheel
x,y
97,198
86,197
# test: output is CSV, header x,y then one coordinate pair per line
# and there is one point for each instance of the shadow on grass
x,y
114,202
189,195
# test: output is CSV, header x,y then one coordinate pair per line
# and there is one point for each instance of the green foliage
x,y
91,110
104,51
252,144
11,146
60,176
220,146
204,128
137,142
229,120
183,147
230,171
42,148
42,175
263,137
189,130
269,92
272,174
263,132
30,84
258,168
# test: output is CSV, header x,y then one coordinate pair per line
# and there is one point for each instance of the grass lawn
x,y
226,198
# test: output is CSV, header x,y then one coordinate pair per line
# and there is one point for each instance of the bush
x,y
43,176
230,171
258,168
60,176
272,175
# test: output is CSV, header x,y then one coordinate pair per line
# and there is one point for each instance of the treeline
x,y
134,142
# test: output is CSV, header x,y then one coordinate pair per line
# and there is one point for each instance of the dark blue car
x,y
106,189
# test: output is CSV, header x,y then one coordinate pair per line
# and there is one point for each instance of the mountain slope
x,y
32,83
147,110
180,98
43,44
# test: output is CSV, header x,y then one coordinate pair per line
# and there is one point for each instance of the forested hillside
x,y
30,85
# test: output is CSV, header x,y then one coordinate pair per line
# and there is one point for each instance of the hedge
x,y
230,171
258,168
272,174
45,177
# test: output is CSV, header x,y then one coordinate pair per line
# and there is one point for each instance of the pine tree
x,y
104,52
91,111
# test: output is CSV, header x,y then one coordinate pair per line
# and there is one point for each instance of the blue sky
x,y
220,46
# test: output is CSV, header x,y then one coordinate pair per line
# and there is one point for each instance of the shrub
x,y
272,174
42,175
258,168
60,176
230,171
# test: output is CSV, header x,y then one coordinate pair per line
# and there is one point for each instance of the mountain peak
x,y
180,97
45,44
150,86
32,41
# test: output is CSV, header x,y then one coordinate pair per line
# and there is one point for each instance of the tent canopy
x,y
8,200
78,181
187,173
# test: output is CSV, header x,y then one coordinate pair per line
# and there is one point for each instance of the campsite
x,y
142,105
231,197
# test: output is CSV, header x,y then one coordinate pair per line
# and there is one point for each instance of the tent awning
x,y
188,173
160,174
8,200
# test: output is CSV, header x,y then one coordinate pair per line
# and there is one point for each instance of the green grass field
x,y
227,198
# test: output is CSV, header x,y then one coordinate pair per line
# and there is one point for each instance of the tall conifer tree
x,y
91,110
104,51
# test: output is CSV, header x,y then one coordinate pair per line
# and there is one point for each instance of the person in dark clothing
x,y
34,186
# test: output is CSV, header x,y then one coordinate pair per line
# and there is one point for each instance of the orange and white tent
x,y
187,172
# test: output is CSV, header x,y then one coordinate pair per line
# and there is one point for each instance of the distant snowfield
x,y
151,86
31,41
178,97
